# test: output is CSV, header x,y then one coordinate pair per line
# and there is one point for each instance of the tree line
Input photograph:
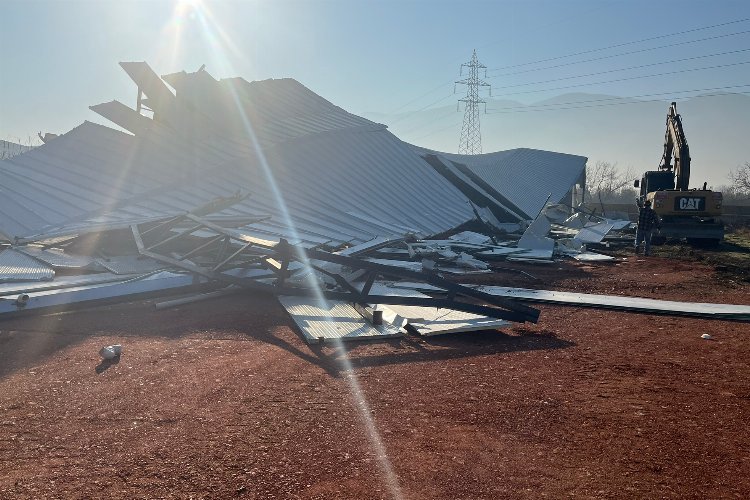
x,y
607,183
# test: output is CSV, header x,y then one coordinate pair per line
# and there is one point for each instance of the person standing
x,y
647,222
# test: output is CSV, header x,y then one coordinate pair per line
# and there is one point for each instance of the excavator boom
x,y
675,144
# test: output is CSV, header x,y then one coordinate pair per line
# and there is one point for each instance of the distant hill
x,y
597,126
11,149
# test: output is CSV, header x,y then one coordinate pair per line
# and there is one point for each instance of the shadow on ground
x,y
28,341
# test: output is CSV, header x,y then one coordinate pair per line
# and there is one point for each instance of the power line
x,y
555,106
419,97
620,54
626,79
542,108
661,63
622,44
605,102
551,106
436,131
533,29
403,117
579,62
423,124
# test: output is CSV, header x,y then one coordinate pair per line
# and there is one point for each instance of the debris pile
x,y
231,185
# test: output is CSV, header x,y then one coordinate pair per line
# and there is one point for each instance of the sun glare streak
x,y
365,415
218,39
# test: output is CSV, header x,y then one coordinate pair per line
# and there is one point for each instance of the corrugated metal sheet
x,y
333,321
130,264
16,266
340,178
429,321
734,312
525,177
58,259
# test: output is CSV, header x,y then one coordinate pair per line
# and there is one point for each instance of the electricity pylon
x,y
471,135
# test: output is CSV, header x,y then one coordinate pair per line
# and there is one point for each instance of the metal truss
x,y
218,250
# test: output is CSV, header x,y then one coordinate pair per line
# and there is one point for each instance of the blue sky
x,y
386,56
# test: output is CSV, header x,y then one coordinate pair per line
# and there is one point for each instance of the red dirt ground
x,y
222,399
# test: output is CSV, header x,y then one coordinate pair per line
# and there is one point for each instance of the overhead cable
x,y
625,79
660,63
590,51
620,54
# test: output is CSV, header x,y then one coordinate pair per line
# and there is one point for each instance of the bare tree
x,y
740,178
606,182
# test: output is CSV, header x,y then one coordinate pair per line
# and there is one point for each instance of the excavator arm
x,y
675,144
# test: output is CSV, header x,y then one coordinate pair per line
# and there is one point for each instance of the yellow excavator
x,y
691,214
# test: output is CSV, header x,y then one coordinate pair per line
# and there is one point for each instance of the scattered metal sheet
x,y
16,266
418,266
404,264
730,312
618,224
68,297
413,285
499,253
369,246
333,321
59,283
471,237
593,233
59,259
237,250
130,264
535,237
429,321
532,255
593,257
443,321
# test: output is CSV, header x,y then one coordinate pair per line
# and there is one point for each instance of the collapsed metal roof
x,y
275,148
519,180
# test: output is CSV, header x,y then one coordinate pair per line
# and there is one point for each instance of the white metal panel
x,y
59,259
334,320
130,264
16,266
638,304
54,298
593,232
593,257
428,321
526,177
